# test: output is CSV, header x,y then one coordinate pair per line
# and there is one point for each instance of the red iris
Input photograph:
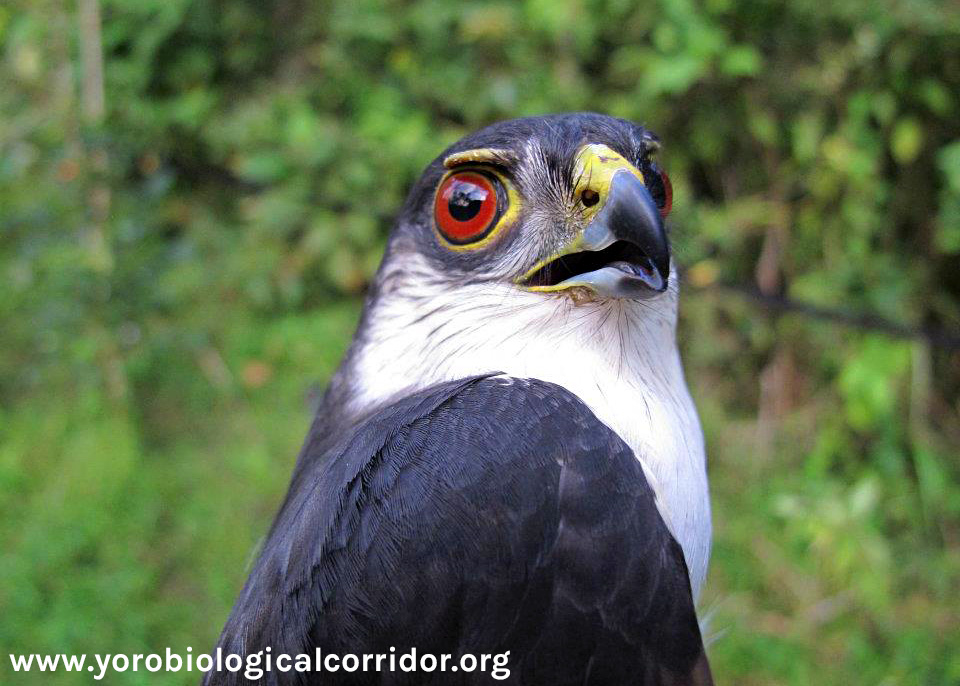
x,y
466,207
658,183
667,194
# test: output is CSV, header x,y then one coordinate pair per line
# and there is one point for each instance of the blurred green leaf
x,y
906,141
741,60
179,280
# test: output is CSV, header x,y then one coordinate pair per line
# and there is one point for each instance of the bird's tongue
x,y
629,268
645,272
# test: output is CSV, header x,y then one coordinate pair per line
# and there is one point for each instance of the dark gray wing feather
x,y
478,516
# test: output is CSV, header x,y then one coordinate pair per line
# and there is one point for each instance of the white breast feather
x,y
620,357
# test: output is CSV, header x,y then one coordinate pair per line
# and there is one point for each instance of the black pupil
x,y
466,199
654,182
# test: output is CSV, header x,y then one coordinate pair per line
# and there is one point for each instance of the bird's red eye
x,y
658,183
466,207
667,194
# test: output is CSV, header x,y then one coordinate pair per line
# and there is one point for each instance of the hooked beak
x,y
623,251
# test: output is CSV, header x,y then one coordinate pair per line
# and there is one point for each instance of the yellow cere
x,y
594,169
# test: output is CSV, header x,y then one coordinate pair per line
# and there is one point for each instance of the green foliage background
x,y
179,274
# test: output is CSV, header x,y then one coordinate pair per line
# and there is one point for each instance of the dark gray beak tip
x,y
632,215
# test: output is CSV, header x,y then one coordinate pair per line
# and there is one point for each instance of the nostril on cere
x,y
589,198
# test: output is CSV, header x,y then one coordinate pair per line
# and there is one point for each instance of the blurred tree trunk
x,y
777,377
91,51
96,238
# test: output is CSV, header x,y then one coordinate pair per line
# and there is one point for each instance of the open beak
x,y
623,250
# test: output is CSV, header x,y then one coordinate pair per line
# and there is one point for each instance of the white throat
x,y
620,357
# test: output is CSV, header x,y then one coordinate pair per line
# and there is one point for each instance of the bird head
x,y
569,206
535,247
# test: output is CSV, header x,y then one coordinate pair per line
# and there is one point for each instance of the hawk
x,y
508,458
